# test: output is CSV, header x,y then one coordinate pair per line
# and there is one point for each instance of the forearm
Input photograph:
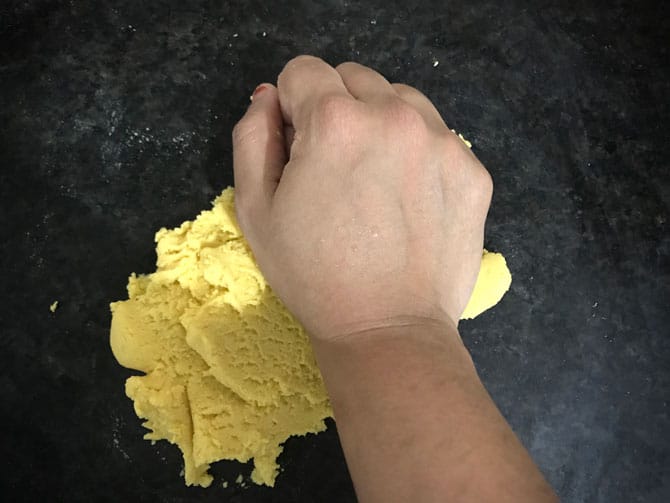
x,y
416,424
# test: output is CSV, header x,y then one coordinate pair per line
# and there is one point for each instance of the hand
x,y
366,215
372,214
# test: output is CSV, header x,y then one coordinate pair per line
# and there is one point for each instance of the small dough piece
x,y
493,281
229,372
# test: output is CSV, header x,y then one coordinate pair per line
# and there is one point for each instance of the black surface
x,y
115,120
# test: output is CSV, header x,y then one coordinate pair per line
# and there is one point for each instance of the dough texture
x,y
228,372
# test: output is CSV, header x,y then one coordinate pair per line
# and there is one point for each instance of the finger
x,y
303,81
421,103
289,135
364,83
259,157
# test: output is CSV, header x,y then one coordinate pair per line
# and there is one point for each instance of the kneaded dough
x,y
493,281
229,373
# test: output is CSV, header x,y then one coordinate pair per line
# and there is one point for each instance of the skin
x,y
366,215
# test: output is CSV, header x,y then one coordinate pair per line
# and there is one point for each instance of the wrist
x,y
410,345
428,322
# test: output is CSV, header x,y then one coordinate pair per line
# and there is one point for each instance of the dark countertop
x,y
115,120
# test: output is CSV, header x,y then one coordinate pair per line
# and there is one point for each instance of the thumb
x,y
259,157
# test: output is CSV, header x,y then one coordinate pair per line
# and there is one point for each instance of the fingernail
x,y
257,91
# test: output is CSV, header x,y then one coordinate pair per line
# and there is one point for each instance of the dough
x,y
493,281
229,373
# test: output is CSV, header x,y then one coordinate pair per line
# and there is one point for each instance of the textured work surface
x,y
115,120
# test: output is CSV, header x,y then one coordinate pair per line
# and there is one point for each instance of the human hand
x,y
372,214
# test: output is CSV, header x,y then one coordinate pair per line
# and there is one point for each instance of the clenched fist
x,y
362,208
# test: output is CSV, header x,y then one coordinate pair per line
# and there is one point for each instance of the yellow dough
x,y
229,373
493,281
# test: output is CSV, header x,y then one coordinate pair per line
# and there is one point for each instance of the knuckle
x,y
405,91
242,130
484,185
298,62
347,66
302,59
404,119
336,116
400,87
334,108
465,171
478,184
249,130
